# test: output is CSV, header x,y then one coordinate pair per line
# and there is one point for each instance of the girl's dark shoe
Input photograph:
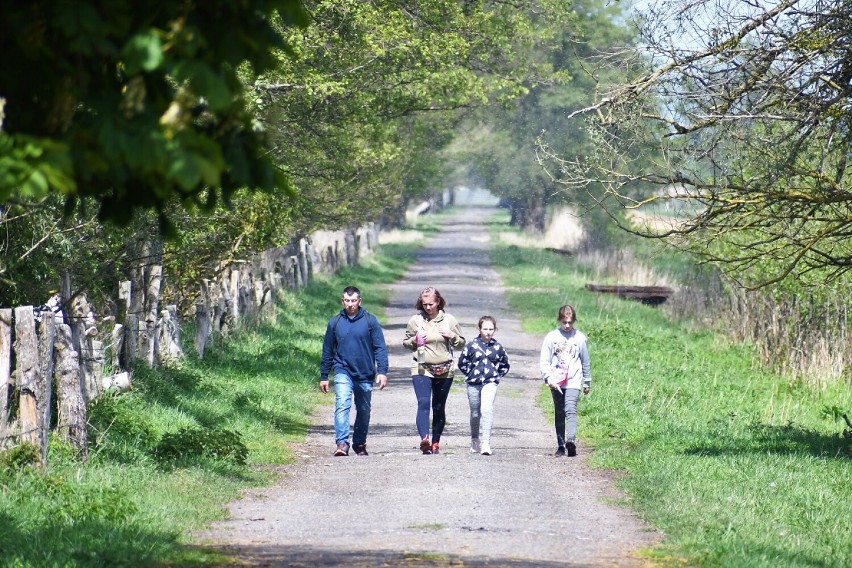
x,y
560,451
570,449
360,449
425,446
436,447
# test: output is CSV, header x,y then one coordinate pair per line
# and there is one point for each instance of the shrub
x,y
188,443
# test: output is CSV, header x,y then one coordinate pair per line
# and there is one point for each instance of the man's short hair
x,y
351,291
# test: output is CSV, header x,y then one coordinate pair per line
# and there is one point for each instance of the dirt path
x,y
519,507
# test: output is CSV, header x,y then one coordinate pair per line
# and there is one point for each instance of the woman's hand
x,y
420,339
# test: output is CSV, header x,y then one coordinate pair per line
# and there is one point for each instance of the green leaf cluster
x,y
134,103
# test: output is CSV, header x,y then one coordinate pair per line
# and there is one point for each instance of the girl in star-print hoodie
x,y
484,362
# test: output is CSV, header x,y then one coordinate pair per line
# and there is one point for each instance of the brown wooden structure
x,y
651,295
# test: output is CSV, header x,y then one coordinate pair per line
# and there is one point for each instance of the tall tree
x,y
503,140
742,112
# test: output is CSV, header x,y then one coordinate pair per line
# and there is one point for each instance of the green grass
x,y
165,457
736,466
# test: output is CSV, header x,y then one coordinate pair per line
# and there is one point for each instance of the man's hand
x,y
382,381
324,386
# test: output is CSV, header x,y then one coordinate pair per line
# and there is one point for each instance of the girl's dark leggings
x,y
565,407
435,390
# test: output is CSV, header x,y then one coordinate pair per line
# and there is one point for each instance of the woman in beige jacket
x,y
433,335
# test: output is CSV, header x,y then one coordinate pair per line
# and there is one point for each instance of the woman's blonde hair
x,y
418,305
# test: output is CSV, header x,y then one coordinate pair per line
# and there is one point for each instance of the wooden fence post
x,y
302,257
297,273
351,249
202,318
95,366
168,341
134,317
310,259
263,289
72,406
225,317
83,330
26,355
117,336
127,350
5,370
148,335
44,378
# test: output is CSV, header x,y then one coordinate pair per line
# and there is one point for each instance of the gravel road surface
x,y
396,507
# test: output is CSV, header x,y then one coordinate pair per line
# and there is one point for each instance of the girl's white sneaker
x,y
486,450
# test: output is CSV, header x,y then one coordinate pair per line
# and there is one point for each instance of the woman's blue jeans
x,y
344,391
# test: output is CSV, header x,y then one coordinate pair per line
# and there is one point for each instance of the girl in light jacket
x,y
565,369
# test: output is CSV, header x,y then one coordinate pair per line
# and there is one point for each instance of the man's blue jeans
x,y
344,390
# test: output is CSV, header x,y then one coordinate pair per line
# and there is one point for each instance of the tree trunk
x,y
203,324
145,275
530,212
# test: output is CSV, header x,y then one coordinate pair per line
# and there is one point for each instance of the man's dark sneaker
x,y
560,451
570,449
360,449
342,450
425,446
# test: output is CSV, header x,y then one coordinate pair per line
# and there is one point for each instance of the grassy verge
x,y
736,466
167,455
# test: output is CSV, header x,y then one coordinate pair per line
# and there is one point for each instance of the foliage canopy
x,y
135,103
